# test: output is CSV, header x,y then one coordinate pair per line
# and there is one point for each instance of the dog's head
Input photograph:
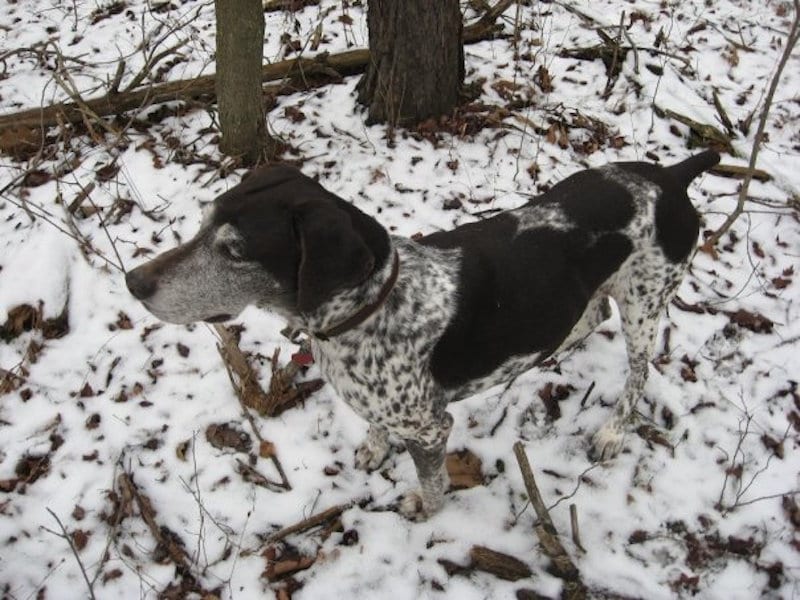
x,y
278,240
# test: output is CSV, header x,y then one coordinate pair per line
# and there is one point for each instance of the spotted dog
x,y
402,327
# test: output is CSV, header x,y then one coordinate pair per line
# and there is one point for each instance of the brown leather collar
x,y
366,311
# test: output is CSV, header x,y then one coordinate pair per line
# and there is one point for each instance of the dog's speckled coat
x,y
471,307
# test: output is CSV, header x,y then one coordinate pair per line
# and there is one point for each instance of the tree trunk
x,y
240,39
417,60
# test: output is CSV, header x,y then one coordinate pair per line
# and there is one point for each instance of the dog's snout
x,y
140,283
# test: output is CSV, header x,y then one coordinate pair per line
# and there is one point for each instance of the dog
x,y
402,327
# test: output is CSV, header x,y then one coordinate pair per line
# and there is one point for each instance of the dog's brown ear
x,y
333,256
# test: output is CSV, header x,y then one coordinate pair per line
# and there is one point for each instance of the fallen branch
x,y
485,27
735,171
167,540
498,564
346,63
283,393
293,73
563,567
247,389
704,133
309,523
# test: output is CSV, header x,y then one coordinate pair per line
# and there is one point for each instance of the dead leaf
x,y
7,485
543,79
21,318
226,435
294,114
79,539
753,321
31,467
266,449
781,282
123,321
36,178
653,435
551,395
776,446
107,172
464,469
111,575
182,449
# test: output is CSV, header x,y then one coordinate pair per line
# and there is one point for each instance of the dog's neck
x,y
348,309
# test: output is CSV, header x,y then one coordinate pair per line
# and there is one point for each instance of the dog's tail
x,y
684,172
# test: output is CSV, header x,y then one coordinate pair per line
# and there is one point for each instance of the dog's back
x,y
528,275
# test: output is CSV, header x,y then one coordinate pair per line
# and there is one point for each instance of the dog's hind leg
x,y
641,304
428,453
373,451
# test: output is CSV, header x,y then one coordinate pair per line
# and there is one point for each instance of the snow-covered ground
x,y
706,506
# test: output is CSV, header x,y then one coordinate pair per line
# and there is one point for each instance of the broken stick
x,y
563,566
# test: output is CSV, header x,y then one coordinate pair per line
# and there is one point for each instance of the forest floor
x,y
129,467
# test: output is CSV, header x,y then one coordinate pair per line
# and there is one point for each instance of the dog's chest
x,y
374,380
382,368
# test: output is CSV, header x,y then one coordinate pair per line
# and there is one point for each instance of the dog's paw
x,y
370,456
414,507
606,443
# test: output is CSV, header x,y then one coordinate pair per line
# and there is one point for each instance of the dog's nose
x,y
140,284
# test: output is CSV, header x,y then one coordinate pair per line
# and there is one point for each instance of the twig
x,y
309,523
769,497
587,394
547,533
634,48
121,266
742,435
162,535
499,421
72,547
577,486
49,219
611,79
235,361
576,534
251,474
791,42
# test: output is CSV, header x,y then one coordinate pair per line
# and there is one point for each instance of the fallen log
x,y
302,73
346,63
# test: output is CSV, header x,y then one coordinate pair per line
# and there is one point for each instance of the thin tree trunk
x,y
417,60
240,39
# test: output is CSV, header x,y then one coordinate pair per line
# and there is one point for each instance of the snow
x,y
122,395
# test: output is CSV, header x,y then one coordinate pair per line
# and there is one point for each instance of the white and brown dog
x,y
400,328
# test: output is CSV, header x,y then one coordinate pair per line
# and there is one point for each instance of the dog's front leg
x,y
428,453
373,451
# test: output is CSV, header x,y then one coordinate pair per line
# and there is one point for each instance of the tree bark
x,y
240,39
417,60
